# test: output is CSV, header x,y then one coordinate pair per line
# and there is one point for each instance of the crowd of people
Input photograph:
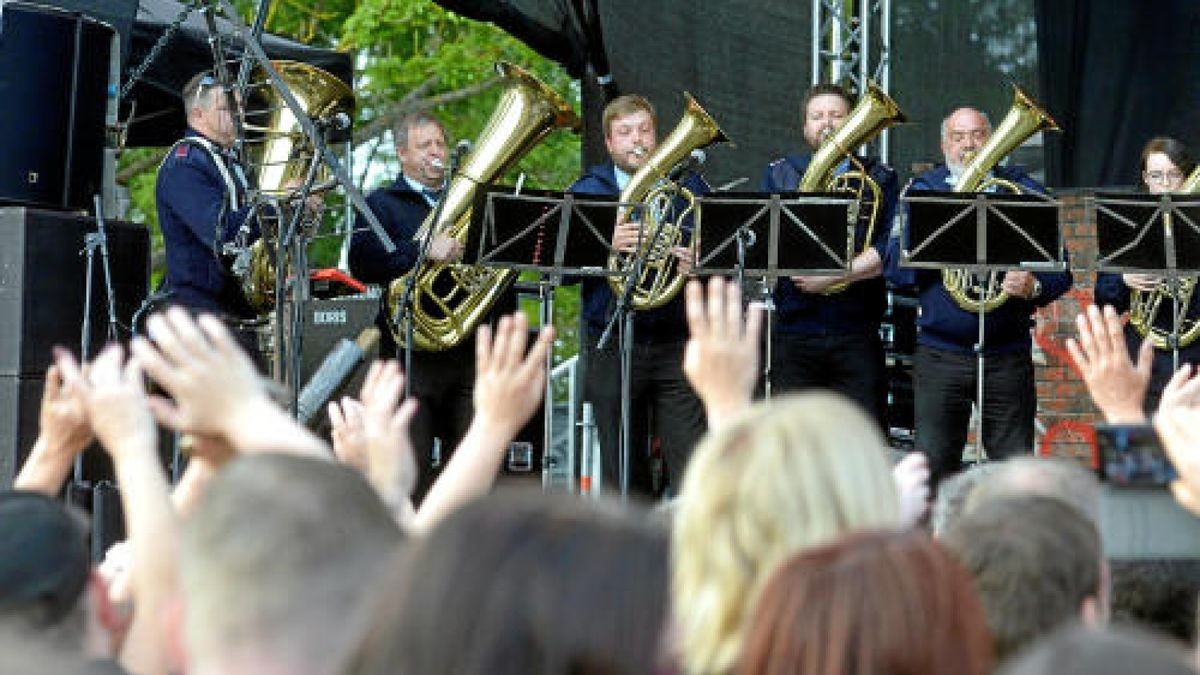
x,y
792,541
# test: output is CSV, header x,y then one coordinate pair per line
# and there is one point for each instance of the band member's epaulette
x,y
182,149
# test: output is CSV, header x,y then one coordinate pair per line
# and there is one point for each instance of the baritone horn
x,y
1024,119
660,201
450,299
874,112
1144,306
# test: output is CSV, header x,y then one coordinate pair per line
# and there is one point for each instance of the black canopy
x,y
159,117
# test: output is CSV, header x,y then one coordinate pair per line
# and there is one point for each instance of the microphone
x,y
688,165
460,151
338,121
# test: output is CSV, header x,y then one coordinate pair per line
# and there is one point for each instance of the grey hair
x,y
413,119
946,120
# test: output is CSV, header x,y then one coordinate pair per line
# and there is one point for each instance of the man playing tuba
x,y
945,365
831,339
658,389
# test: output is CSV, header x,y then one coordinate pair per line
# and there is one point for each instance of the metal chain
x,y
157,49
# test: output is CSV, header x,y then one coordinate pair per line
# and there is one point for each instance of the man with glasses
x,y
945,365
201,200
1165,164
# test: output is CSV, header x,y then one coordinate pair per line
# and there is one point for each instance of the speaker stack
x,y
54,79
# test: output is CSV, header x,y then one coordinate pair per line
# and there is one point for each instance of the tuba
x,y
281,154
1024,118
1144,306
660,278
450,299
874,112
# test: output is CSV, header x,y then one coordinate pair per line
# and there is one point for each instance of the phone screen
x,y
1131,456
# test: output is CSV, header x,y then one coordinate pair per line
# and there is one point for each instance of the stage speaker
x,y
54,70
325,323
43,278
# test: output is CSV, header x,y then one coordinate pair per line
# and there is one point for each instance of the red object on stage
x,y
334,282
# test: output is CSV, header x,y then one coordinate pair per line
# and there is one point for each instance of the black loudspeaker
x,y
20,401
42,284
326,322
54,69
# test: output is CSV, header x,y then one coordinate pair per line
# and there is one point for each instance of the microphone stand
x,y
404,309
624,312
94,241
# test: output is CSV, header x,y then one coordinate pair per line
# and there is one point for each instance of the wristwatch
x,y
1037,289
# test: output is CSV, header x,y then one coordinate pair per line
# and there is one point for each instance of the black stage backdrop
x,y
748,63
1116,73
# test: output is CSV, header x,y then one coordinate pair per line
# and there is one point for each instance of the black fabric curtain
x,y
1115,73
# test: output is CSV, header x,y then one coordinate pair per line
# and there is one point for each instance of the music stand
x,y
988,234
1150,234
767,236
553,234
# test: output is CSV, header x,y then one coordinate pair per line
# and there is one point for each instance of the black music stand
x,y
988,234
1150,234
553,234
767,236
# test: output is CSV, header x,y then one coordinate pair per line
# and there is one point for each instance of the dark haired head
x,y
1174,150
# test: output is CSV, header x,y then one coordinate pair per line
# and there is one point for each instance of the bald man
x,y
945,366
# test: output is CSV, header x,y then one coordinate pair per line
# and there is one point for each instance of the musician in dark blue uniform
x,y
442,381
662,401
824,338
945,365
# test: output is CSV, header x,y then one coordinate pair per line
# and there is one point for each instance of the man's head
x,y
630,131
964,132
275,556
1036,563
1053,477
421,146
44,563
825,109
208,109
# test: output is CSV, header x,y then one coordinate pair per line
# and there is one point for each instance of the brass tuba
x,y
450,299
660,278
281,155
1024,118
1145,305
873,113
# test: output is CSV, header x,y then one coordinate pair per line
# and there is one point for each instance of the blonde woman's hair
x,y
790,474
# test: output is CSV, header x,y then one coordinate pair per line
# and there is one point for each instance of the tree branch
x,y
418,100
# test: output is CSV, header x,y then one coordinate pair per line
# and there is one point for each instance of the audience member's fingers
x,y
1145,356
518,338
500,341
716,307
1113,330
166,413
336,421
1075,351
733,310
156,366
754,323
169,343
483,349
216,335
535,360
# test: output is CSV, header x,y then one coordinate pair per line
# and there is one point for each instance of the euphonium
x,y
1024,118
281,155
874,112
449,299
1145,305
660,278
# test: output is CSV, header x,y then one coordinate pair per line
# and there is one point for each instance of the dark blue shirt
x,y
942,324
197,219
859,307
666,324
400,211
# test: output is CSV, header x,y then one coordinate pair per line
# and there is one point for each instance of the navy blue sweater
x,y
859,307
942,323
400,211
666,324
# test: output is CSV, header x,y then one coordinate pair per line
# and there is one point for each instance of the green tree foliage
x,y
408,54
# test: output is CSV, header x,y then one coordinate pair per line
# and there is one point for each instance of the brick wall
x,y
1065,412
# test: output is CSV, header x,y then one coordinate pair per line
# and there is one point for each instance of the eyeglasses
x,y
1163,177
205,82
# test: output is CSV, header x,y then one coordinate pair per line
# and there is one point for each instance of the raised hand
x,y
1182,391
1116,384
721,357
114,399
63,433
509,383
1179,431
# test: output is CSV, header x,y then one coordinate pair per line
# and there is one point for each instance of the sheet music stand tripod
x,y
767,236
975,230
1150,234
549,233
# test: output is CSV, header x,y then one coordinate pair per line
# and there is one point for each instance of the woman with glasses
x,y
1165,166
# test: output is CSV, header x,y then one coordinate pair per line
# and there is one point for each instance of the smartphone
x,y
1131,456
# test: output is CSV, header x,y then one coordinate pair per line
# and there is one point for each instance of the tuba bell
x,y
1024,118
1144,306
280,155
450,299
660,278
873,113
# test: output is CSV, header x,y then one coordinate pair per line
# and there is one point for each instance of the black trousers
x,y
849,364
944,386
443,383
661,402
